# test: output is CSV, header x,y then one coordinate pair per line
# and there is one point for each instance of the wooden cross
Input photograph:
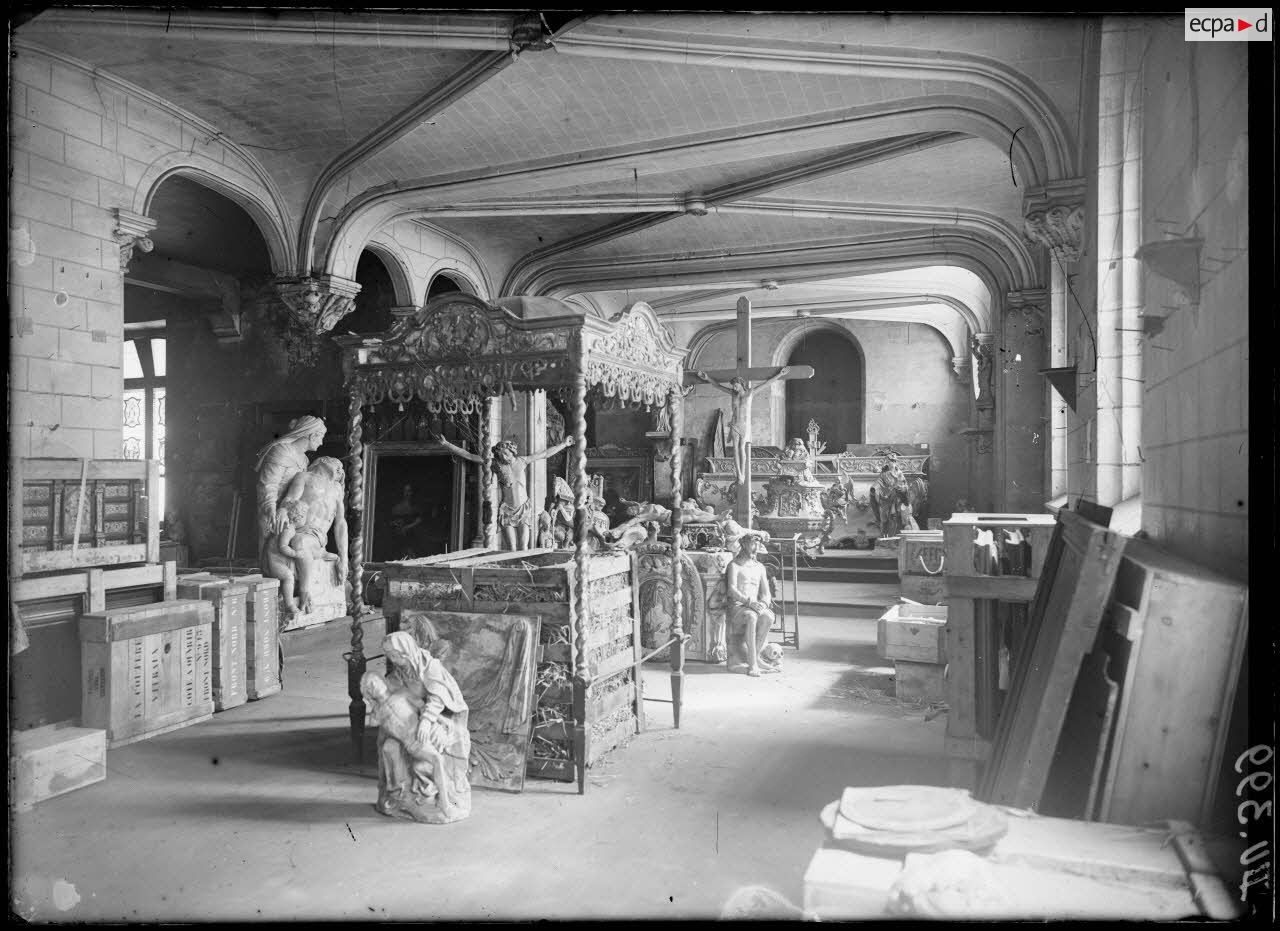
x,y
740,384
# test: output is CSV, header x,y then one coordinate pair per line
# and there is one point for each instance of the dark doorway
x,y
834,396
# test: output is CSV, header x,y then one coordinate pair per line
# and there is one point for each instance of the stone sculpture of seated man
x,y
750,610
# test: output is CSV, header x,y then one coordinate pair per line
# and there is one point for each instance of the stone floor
x,y
261,813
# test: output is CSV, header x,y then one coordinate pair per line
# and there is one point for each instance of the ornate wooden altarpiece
x,y
457,354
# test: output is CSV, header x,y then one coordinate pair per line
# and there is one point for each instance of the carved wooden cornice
x,y
131,231
316,304
1053,217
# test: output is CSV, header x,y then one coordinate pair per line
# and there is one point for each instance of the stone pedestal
x,y
793,504
328,597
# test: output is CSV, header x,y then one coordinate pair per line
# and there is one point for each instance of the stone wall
x,y
82,146
1163,403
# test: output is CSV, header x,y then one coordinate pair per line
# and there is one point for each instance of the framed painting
x,y
493,658
413,501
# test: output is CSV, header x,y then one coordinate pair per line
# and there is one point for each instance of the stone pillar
x,y
1021,413
982,473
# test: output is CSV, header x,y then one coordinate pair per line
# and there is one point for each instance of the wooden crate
x,y
44,679
539,582
921,561
53,760
1176,635
147,669
229,637
84,512
913,633
262,635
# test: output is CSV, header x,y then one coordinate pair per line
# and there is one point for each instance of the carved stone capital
x,y
961,365
1053,217
1032,305
316,304
131,231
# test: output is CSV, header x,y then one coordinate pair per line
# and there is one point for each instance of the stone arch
x,y
398,267
256,199
808,343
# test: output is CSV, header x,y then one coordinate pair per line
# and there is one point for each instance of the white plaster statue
x,y
796,451
424,746
278,462
515,510
750,610
309,507
740,393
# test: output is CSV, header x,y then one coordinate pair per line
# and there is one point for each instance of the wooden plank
x,y
612,665
153,510
610,703
542,576
1207,887
96,591
118,624
16,521
604,565
483,557
620,627
961,718
545,768
1000,588
53,560
1073,605
76,581
169,581
1074,783
46,469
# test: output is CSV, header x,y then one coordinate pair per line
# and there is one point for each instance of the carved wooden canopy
x,y
457,350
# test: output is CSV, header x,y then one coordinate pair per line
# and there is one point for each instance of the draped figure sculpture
x,y
424,746
889,498
515,510
309,506
277,463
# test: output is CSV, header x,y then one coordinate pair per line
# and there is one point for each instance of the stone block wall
x,y
1195,415
81,146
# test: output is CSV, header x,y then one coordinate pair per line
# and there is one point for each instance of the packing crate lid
x,y
209,587
126,623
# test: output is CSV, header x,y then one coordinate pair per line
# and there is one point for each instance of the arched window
x,y
834,397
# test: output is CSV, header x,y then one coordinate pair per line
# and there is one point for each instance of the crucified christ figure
x,y
740,393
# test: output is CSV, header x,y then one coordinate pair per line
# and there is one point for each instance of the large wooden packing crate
x,y
540,582
54,759
84,512
147,669
262,634
228,600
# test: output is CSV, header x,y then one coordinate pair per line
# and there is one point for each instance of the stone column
x,y
982,474
1021,413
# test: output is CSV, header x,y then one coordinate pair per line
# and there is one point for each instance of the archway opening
x,y
835,396
444,283
371,312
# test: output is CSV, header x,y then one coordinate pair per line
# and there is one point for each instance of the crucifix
x,y
737,383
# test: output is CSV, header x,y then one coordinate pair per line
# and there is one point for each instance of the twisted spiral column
x,y
581,559
355,556
675,408
488,524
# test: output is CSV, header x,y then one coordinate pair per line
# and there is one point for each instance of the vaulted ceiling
x,y
860,164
